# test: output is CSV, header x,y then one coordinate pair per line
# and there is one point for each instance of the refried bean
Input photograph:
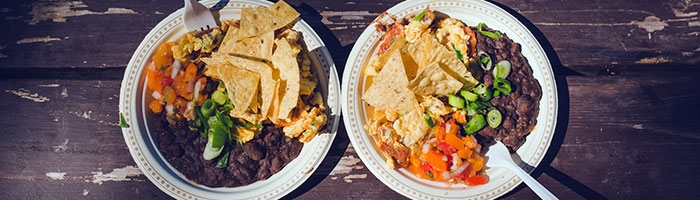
x,y
255,160
519,108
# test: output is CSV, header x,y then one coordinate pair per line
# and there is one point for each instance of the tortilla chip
x,y
258,47
427,50
267,83
258,20
229,42
242,86
432,79
285,60
389,90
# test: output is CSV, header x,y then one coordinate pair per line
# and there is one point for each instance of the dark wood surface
x,y
627,75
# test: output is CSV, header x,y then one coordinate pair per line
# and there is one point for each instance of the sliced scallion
x,y
494,118
476,123
492,35
484,60
208,108
502,85
429,121
484,93
469,96
459,53
419,16
502,69
455,101
219,97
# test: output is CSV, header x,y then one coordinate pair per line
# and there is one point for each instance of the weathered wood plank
x,y
582,33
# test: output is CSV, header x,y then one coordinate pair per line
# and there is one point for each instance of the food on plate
x,y
438,89
234,104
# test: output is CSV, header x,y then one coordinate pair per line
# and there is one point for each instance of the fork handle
x,y
535,186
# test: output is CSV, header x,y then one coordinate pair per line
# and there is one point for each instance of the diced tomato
x,y
163,57
477,180
453,127
435,159
166,81
446,148
464,153
396,30
454,141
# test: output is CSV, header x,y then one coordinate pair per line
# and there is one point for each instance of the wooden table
x,y
627,73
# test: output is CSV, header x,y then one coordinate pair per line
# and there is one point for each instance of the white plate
x,y
471,12
134,98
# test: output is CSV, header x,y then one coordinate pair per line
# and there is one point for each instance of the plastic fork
x,y
197,16
499,156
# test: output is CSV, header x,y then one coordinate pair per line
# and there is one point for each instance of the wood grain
x,y
627,74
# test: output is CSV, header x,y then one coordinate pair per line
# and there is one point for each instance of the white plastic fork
x,y
197,16
499,156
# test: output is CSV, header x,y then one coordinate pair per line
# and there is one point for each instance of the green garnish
x,y
494,118
493,35
122,121
219,97
475,124
430,174
429,121
484,60
208,108
502,69
459,53
502,85
223,161
455,101
469,96
484,93
419,16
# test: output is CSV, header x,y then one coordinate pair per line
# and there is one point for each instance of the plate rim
x,y
162,175
354,75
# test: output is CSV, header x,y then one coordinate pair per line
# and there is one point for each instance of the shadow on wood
x,y
341,141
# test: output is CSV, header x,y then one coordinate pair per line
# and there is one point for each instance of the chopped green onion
x,y
459,53
492,35
494,118
223,161
218,134
122,121
469,96
455,101
247,125
484,93
419,16
224,119
502,85
208,108
211,152
430,174
484,60
475,124
219,97
429,121
502,69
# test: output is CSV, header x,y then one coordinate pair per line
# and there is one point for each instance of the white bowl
x,y
471,12
140,138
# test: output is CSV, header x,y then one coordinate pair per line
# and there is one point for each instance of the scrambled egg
x,y
411,127
416,28
307,123
451,33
